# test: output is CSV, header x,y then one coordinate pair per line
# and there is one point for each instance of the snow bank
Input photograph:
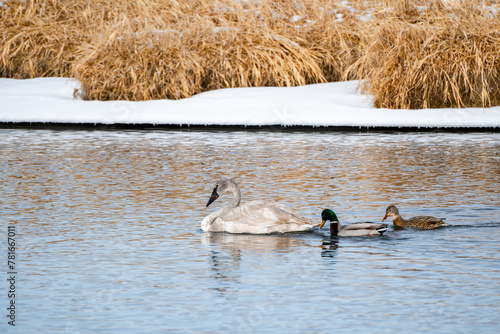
x,y
50,100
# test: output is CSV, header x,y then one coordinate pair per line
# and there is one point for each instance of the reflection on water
x,y
265,243
108,225
329,247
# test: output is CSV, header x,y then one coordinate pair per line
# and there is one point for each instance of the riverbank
x,y
338,104
413,54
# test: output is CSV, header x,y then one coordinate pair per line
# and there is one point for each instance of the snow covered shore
x,y
338,104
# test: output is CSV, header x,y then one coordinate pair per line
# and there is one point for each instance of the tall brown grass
x,y
445,56
407,54
220,44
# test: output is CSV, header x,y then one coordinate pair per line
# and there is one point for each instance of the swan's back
x,y
257,217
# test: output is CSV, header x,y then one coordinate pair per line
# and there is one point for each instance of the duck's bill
x,y
385,218
322,223
213,197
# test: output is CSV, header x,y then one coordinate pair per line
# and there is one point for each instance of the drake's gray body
x,y
351,230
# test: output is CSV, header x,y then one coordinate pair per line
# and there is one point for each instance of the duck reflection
x,y
329,247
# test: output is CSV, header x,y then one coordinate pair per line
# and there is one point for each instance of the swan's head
x,y
221,187
391,211
328,215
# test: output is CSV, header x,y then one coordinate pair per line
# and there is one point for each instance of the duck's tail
x,y
443,223
382,229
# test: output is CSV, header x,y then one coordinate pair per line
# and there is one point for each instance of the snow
x,y
339,104
296,18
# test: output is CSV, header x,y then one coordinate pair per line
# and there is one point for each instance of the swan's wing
x,y
258,217
297,216
262,213
207,222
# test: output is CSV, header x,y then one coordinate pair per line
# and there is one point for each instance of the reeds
x,y
222,45
439,56
407,54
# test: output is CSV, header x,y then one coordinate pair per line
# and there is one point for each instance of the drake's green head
x,y
328,215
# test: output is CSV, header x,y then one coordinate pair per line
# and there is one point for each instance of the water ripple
x,y
108,224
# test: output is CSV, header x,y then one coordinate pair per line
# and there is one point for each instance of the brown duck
x,y
425,222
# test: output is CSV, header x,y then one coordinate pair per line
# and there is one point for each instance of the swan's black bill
x,y
214,196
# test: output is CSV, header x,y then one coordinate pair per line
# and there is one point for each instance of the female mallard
x,y
351,230
425,222
256,217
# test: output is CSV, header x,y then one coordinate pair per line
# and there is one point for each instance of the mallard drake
x,y
256,217
424,222
351,230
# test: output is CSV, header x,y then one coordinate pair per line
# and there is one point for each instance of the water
x,y
109,241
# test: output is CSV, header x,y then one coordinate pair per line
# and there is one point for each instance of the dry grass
x,y
416,54
447,56
32,43
222,45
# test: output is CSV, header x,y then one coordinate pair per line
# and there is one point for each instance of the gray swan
x,y
255,217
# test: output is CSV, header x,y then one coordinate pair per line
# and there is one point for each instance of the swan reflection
x,y
227,253
252,242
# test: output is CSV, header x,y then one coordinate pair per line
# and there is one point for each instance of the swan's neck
x,y
236,196
334,228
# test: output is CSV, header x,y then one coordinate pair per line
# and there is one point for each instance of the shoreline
x,y
256,128
336,106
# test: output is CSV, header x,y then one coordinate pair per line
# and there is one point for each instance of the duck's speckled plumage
x,y
423,222
256,217
351,230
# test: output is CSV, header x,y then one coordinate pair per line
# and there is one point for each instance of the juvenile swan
x,y
256,217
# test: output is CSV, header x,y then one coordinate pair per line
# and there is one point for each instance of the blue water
x,y
109,241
